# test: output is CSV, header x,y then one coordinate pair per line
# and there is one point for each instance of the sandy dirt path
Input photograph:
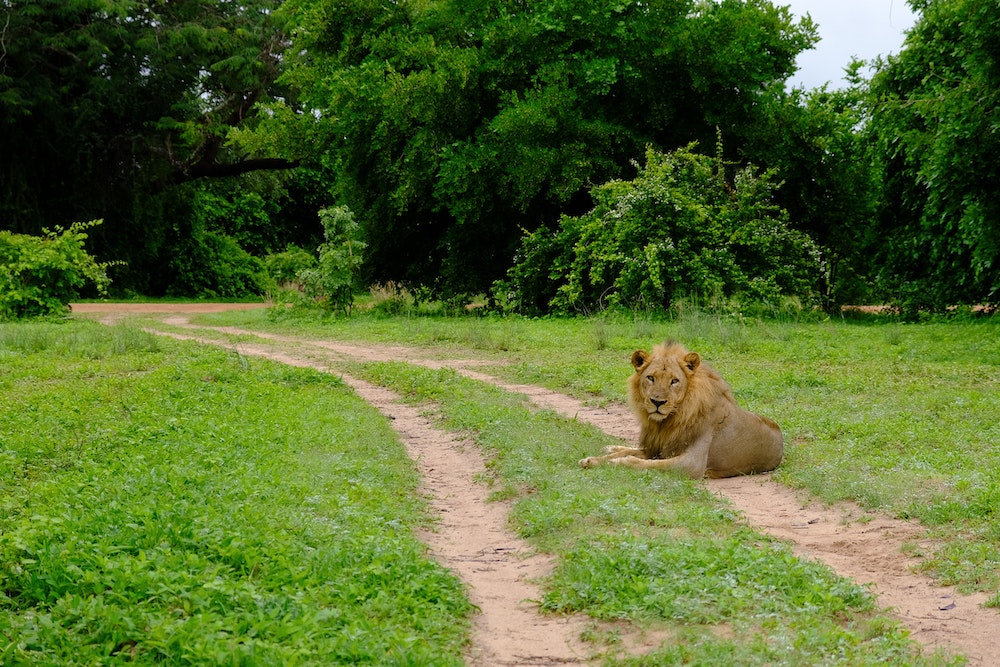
x,y
864,546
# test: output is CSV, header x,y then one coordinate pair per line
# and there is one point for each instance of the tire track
x,y
863,546
472,539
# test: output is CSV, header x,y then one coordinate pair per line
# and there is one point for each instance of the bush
x,y
40,275
284,267
679,229
213,265
332,281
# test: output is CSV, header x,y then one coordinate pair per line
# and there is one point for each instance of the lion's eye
x,y
651,378
674,381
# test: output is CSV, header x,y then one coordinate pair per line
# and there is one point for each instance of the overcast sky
x,y
847,28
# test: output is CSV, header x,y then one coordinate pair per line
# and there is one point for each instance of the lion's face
x,y
661,382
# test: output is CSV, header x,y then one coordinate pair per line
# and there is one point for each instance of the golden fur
x,y
690,422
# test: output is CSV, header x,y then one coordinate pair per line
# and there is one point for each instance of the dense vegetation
x,y
209,134
40,274
678,229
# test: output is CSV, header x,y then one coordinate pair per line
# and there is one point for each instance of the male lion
x,y
690,421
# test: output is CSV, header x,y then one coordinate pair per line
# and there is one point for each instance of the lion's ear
x,y
692,360
639,358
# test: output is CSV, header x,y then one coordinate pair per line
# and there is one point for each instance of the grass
x,y
166,503
653,549
897,417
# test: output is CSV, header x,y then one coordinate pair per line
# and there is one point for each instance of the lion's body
x,y
690,421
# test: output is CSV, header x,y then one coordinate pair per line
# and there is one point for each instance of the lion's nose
x,y
656,403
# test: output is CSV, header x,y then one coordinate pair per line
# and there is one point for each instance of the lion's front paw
x,y
588,462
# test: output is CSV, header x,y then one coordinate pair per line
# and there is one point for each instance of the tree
x,y
333,279
812,140
934,116
453,125
107,105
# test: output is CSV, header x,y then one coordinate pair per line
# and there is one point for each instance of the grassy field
x,y
142,523
165,503
897,417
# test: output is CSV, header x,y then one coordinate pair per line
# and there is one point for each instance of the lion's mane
x,y
705,391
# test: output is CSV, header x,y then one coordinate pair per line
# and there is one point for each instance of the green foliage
x,y
239,212
453,125
333,279
934,116
107,105
828,185
141,524
678,229
213,265
40,275
285,267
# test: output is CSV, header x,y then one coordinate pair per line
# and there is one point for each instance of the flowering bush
x,y
679,229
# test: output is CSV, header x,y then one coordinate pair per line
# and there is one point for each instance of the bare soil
x,y
500,570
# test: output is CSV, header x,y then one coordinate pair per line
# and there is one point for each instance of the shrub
x,y
40,275
214,265
678,229
284,267
332,281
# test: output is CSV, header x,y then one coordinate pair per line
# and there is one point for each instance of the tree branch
x,y
214,170
243,167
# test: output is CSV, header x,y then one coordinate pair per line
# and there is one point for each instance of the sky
x,y
862,28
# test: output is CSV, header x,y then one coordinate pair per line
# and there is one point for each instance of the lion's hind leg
x,y
614,452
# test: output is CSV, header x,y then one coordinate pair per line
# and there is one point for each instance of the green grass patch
x,y
897,417
653,548
167,503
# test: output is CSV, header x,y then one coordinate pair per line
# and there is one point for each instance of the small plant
x,y
40,275
332,281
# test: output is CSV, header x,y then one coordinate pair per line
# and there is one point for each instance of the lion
x,y
690,421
